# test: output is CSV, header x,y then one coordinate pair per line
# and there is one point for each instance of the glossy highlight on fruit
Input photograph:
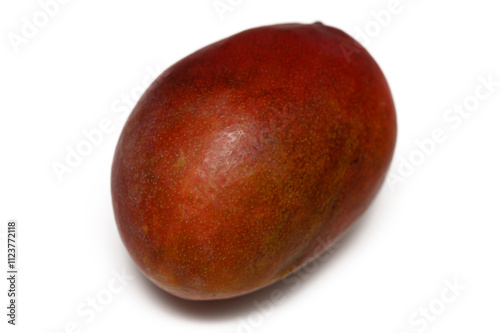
x,y
250,157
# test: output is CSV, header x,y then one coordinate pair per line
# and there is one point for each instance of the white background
x,y
437,224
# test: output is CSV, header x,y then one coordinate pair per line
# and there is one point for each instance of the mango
x,y
250,157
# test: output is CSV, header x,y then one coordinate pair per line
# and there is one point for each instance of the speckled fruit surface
x,y
242,160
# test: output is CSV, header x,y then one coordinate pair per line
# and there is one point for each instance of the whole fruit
x,y
248,158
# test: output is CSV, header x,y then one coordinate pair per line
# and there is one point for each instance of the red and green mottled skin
x,y
241,156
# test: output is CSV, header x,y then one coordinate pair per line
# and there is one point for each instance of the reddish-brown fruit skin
x,y
244,157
